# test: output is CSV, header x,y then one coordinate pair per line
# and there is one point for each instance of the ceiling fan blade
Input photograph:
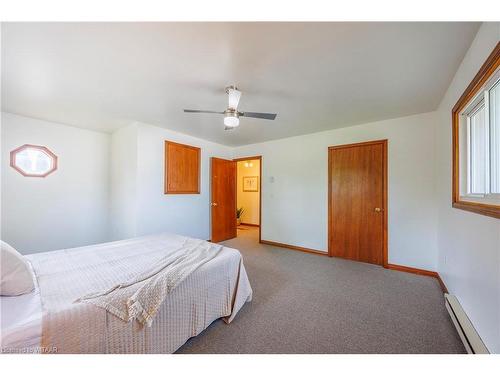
x,y
201,111
265,116
234,97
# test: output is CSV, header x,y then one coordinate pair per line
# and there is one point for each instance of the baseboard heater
x,y
472,342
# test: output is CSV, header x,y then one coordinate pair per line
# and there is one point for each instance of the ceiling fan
x,y
231,114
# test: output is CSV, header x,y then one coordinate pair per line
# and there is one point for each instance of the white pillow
x,y
16,276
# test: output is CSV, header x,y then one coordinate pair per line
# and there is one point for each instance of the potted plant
x,y
239,212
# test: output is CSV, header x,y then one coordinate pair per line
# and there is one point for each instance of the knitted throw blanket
x,y
141,297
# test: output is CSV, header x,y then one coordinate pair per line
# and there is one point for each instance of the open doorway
x,y
248,197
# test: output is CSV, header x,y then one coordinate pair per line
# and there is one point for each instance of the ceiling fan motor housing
x,y
234,96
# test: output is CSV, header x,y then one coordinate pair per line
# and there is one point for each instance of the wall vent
x,y
472,342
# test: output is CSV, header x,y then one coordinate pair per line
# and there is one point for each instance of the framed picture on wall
x,y
251,183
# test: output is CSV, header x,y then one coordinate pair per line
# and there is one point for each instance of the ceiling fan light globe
x,y
231,121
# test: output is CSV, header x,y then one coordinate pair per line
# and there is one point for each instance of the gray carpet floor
x,y
306,303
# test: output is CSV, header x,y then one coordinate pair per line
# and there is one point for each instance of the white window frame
x,y
469,173
494,148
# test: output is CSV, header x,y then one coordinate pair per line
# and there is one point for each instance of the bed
x,y
51,320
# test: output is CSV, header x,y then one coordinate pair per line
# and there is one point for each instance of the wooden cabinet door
x,y
223,204
357,202
182,168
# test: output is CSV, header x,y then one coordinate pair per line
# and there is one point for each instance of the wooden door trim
x,y
259,158
383,142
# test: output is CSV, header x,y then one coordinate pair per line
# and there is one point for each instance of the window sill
x,y
479,208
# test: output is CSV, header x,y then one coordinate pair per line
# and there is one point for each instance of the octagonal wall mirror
x,y
33,161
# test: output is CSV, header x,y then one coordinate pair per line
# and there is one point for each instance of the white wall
x,y
295,205
469,244
68,207
249,200
123,183
186,214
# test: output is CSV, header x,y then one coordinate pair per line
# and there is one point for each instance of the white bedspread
x,y
21,322
218,288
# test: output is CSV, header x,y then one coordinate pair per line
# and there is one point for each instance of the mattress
x,y
49,320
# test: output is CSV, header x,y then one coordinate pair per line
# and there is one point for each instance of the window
x,y
33,161
476,142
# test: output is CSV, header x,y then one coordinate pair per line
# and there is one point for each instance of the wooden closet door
x,y
357,201
223,205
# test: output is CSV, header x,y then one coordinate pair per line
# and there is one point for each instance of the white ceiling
x,y
315,76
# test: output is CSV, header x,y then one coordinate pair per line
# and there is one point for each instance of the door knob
x,y
378,209
213,204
